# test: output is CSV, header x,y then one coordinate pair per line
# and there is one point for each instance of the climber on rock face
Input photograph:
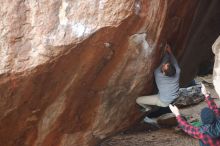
x,y
167,80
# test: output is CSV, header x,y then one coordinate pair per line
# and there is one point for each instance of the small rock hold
x,y
108,45
35,111
32,118
137,7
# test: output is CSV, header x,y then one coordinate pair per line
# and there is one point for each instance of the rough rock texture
x,y
71,70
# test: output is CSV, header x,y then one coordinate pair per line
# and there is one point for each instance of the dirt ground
x,y
145,135
162,137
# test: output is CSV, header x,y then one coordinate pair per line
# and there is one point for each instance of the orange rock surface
x,y
71,70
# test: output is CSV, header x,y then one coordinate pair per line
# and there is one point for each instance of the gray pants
x,y
144,101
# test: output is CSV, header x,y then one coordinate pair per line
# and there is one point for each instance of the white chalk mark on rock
x,y
62,13
102,4
137,7
139,40
80,29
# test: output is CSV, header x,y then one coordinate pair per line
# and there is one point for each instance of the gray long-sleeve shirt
x,y
168,86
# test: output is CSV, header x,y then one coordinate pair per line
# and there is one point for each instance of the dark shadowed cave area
x,y
204,32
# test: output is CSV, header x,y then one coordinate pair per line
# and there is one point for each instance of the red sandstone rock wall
x,y
71,70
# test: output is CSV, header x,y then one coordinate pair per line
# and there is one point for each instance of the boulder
x,y
70,71
167,120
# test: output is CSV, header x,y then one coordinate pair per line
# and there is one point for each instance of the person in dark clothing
x,y
209,117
